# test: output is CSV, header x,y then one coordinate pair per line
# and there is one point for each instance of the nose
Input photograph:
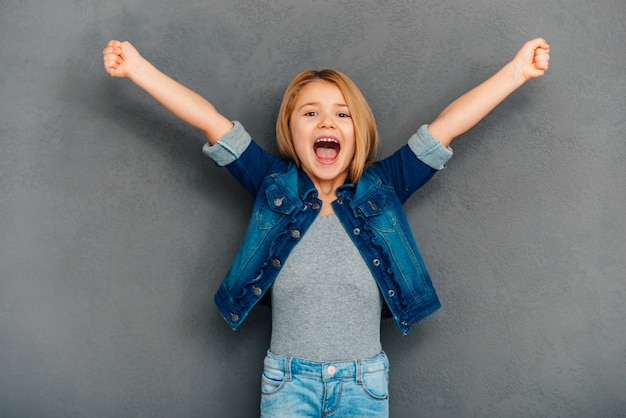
x,y
326,121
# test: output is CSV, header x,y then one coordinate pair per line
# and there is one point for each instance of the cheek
x,y
300,147
297,133
350,147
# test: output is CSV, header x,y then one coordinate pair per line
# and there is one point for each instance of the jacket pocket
x,y
376,213
273,208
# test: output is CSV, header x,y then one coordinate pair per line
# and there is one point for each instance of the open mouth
x,y
326,149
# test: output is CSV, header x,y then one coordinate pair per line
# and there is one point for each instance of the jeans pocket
x,y
272,380
376,384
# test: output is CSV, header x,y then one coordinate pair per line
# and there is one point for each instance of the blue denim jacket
x,y
286,204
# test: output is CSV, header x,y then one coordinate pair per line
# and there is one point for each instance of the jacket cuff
x,y
430,151
229,147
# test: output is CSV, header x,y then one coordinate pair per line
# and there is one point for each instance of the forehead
x,y
319,91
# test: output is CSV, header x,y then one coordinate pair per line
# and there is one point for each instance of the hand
x,y
121,59
532,59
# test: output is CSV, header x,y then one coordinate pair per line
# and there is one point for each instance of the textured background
x,y
115,230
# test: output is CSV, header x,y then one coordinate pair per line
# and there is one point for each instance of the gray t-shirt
x,y
326,304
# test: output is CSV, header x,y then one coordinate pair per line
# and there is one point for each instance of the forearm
x,y
466,111
183,102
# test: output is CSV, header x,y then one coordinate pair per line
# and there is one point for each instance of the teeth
x,y
326,140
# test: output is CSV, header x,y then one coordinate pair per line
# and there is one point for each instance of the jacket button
x,y
275,262
376,262
295,233
257,291
356,231
279,201
391,293
234,317
373,205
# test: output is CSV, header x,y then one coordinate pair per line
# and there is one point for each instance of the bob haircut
x,y
365,132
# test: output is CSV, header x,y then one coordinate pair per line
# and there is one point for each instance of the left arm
x,y
461,115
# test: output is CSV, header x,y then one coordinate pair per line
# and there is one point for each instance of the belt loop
x,y
359,372
288,368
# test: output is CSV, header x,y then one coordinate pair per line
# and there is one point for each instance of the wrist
x,y
514,71
139,69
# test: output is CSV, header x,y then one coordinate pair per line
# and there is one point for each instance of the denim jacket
x,y
286,204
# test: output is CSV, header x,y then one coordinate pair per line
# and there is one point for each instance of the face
x,y
323,134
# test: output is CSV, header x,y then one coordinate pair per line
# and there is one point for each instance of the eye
x,y
310,113
343,115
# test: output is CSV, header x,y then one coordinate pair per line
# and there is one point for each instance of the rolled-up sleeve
x,y
430,151
230,146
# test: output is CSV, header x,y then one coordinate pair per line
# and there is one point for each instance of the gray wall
x,y
115,230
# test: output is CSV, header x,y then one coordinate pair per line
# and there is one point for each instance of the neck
x,y
327,187
326,192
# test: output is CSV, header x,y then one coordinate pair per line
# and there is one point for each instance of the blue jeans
x,y
293,387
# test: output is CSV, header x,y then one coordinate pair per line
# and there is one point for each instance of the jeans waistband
x,y
354,369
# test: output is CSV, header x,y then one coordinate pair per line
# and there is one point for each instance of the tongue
x,y
326,153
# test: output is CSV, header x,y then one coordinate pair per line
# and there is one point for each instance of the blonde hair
x,y
365,132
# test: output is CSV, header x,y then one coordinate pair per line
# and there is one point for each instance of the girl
x,y
328,238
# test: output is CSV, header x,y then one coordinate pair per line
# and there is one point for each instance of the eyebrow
x,y
318,103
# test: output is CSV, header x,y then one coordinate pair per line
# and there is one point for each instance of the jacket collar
x,y
294,183
365,187
298,186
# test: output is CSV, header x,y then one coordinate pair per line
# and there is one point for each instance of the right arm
x,y
121,59
531,61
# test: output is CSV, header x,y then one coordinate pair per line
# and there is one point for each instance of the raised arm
x,y
531,61
121,59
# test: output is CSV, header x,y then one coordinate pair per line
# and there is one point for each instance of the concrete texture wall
x,y
115,230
